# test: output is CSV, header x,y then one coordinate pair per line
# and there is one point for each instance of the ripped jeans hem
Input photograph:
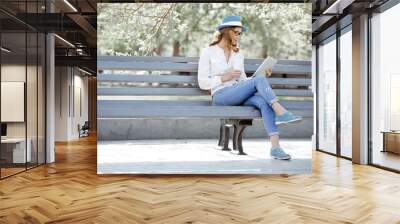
x,y
273,133
273,101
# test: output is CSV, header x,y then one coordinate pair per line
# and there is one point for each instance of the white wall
x,y
70,84
33,126
79,117
12,73
62,81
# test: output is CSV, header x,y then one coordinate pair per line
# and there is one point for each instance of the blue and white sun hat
x,y
228,21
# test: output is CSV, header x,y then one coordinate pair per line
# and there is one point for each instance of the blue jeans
x,y
256,92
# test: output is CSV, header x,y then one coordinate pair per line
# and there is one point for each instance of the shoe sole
x,y
291,121
285,158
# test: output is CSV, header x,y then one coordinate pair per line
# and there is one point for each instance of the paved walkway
x,y
199,157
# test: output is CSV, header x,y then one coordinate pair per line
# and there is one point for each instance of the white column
x,y
50,99
360,90
314,90
50,92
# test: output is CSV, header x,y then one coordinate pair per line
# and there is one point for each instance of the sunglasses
x,y
237,33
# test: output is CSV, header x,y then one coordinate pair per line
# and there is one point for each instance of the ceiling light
x,y
338,6
5,50
65,41
86,72
70,5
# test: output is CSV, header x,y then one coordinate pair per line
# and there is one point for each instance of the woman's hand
x,y
268,73
231,75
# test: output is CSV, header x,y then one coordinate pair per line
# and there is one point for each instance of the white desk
x,y
19,155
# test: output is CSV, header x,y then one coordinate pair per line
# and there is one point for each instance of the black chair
x,y
84,130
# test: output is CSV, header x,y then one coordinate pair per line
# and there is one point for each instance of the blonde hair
x,y
224,33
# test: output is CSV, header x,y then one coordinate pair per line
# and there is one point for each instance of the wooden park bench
x,y
176,77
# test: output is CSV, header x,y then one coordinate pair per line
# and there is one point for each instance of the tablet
x,y
268,63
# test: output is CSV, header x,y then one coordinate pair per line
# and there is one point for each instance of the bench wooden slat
x,y
125,91
187,79
152,103
290,81
234,112
191,59
288,104
147,66
280,61
147,59
147,78
282,69
192,67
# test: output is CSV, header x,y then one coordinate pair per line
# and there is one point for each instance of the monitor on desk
x,y
3,130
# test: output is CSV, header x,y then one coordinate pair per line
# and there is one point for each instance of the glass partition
x,y
31,100
22,88
327,96
14,144
385,89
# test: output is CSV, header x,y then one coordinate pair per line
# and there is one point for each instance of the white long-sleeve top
x,y
212,65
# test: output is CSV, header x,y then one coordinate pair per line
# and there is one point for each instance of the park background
x,y
182,30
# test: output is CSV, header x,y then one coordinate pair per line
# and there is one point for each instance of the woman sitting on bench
x,y
233,88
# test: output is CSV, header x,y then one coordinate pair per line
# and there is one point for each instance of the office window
x,y
346,93
327,96
385,85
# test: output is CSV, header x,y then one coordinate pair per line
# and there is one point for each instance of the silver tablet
x,y
268,63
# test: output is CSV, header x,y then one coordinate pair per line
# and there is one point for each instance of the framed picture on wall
x,y
12,101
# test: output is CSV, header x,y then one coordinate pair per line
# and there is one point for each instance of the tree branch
x,y
161,20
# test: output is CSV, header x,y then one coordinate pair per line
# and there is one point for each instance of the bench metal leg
x,y
238,130
224,136
238,139
226,139
221,134
234,139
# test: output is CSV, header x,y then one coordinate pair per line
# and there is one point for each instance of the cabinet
x,y
391,141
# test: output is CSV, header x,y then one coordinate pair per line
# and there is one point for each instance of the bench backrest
x,y
127,90
178,77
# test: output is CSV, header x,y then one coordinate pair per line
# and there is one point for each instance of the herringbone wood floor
x,y
70,191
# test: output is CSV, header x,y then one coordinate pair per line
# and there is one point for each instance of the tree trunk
x,y
159,49
176,45
264,53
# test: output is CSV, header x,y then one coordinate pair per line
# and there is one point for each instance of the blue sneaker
x,y
278,153
287,117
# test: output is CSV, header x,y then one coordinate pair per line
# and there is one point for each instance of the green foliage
x,y
280,30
